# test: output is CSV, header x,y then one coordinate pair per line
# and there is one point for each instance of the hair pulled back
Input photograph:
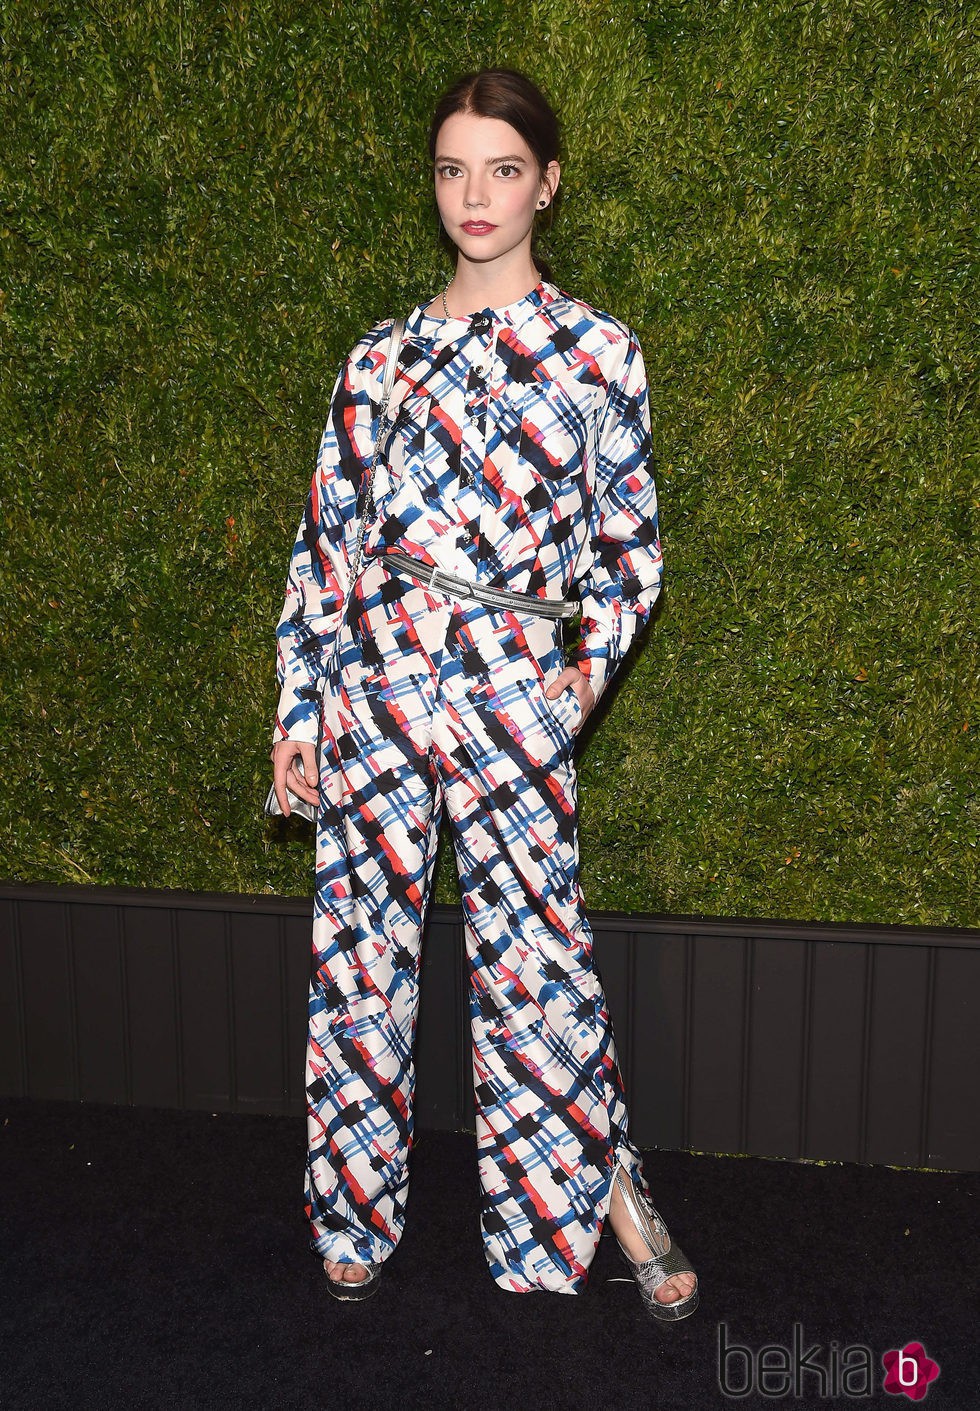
x,y
512,98
509,96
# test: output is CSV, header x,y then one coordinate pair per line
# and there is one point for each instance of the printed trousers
x,y
432,705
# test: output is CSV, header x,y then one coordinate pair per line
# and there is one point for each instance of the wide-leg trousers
x,y
433,705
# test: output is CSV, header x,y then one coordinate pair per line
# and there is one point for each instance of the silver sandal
x,y
351,1292
666,1259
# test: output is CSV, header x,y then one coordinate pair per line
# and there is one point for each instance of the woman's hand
x,y
572,678
289,757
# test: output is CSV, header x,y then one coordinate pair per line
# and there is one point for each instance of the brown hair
x,y
513,98
509,96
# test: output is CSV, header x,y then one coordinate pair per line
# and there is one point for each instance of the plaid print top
x,y
515,452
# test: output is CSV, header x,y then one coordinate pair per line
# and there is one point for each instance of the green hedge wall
x,y
202,207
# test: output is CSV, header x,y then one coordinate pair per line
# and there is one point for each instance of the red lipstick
x,y
478,227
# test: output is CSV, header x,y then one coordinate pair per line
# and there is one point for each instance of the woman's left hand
x,y
572,678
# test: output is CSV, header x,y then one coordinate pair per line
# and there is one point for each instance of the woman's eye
x,y
448,170
508,170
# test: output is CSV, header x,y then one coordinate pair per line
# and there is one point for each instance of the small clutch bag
x,y
299,807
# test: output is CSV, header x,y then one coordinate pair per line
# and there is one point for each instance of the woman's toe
x,y
679,1286
344,1273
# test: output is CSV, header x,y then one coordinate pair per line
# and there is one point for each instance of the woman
x,y
513,464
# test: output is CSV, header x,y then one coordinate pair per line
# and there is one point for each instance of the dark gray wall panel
x,y
718,1043
152,1001
835,1079
660,1054
442,1052
203,961
100,1005
900,1003
46,963
13,1078
953,1126
258,1003
778,1034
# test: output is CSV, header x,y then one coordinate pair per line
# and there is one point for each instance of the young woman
x,y
512,468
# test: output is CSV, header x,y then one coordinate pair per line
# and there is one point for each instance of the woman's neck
x,y
487,286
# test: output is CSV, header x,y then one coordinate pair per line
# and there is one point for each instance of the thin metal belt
x,y
458,587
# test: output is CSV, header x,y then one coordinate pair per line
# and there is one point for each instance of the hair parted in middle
x,y
509,96
512,98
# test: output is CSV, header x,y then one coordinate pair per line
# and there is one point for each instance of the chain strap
x,y
391,367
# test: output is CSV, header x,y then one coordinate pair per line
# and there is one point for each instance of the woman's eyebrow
x,y
490,162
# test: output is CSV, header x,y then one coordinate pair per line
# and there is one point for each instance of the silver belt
x,y
457,587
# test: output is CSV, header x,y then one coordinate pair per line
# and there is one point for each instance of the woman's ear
x,y
549,184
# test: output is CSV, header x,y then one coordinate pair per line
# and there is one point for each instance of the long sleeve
x,y
619,573
319,564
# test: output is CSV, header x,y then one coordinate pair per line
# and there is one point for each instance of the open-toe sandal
x,y
349,1291
666,1258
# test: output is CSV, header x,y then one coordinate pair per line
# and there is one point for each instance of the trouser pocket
x,y
567,710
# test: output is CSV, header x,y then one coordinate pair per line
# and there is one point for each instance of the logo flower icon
x,y
909,1371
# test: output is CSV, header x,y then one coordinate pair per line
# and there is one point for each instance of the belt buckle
x,y
450,583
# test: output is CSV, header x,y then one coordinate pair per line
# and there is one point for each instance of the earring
x,y
541,205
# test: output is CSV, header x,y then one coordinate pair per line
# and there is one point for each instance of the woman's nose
x,y
475,194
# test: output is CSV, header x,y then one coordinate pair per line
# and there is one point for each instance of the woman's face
x,y
488,186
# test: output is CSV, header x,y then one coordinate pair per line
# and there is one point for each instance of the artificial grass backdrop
x,y
204,205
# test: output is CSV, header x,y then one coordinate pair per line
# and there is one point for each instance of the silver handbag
x,y
299,807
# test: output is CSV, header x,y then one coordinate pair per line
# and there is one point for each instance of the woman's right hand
x,y
293,762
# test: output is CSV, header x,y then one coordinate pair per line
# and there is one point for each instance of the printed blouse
x,y
515,452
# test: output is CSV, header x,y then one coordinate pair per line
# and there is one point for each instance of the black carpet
x,y
159,1259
